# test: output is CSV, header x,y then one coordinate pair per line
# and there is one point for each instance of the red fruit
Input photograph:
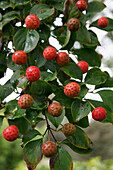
x,y
32,22
99,114
19,57
55,109
102,22
72,89
83,65
11,133
32,73
62,58
25,101
49,149
101,56
68,129
82,5
49,53
73,24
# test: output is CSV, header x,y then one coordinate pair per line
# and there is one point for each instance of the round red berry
x,y
62,58
82,5
49,53
83,65
19,57
72,89
32,22
68,129
101,56
55,109
49,149
32,73
11,133
99,114
25,101
73,24
102,22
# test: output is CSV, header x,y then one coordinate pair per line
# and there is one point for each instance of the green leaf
x,y
21,123
84,122
80,110
1,120
5,4
44,32
9,16
68,115
83,91
72,70
74,12
39,104
108,83
80,139
62,160
32,153
15,3
108,28
26,40
36,57
88,55
56,121
95,76
95,7
62,76
47,76
62,98
7,31
42,11
67,38
59,4
75,149
10,107
41,88
30,135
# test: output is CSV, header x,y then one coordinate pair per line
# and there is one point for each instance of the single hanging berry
x,y
62,58
72,89
32,73
83,65
68,129
49,53
19,57
25,101
73,24
103,22
82,5
11,133
99,114
49,149
55,109
32,22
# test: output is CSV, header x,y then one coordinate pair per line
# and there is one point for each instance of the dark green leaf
x,y
95,7
88,55
72,70
47,76
1,120
5,4
68,114
84,122
44,33
108,83
15,3
7,31
32,153
83,91
42,11
80,110
26,40
95,76
62,160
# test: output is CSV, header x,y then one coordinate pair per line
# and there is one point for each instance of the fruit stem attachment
x,y
90,104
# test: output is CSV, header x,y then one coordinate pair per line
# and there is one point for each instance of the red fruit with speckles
x,y
83,65
101,56
99,114
55,109
49,53
32,22
32,73
62,58
49,149
73,24
19,57
25,101
68,129
102,22
11,133
82,5
72,89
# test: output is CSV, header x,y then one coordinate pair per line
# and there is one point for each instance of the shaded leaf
x,y
1,120
5,4
84,122
15,3
95,7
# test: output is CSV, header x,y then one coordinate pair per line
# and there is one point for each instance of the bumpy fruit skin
x,y
62,58
103,22
83,65
99,114
25,101
19,57
73,24
49,53
68,129
72,89
49,149
11,133
32,22
82,5
32,73
55,109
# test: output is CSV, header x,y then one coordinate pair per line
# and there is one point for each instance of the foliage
x,y
50,86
